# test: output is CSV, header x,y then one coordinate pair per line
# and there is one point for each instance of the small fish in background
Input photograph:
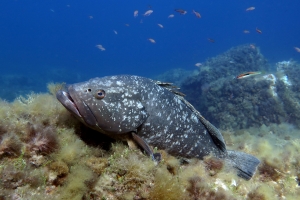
x,y
211,40
258,30
197,14
135,13
171,16
252,46
115,32
182,12
246,31
127,25
99,46
151,40
297,49
198,64
161,26
250,9
148,12
247,74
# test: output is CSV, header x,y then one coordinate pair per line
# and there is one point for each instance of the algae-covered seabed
x,y
46,154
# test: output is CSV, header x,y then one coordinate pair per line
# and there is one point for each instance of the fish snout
x,y
65,99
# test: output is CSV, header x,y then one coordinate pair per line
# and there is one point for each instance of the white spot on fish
x,y
120,83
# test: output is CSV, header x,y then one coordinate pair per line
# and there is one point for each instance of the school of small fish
x,y
150,11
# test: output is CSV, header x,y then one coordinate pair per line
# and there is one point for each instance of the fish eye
x,y
100,94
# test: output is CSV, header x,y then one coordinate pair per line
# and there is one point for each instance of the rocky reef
x,y
46,154
228,102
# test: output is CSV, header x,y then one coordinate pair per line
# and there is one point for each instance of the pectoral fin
x,y
142,143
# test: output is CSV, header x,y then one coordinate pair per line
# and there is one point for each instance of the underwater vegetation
x,y
46,154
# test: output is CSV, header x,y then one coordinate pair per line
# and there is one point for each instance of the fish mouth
x,y
66,100
76,105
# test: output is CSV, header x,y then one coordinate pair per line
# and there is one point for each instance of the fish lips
x,y
76,106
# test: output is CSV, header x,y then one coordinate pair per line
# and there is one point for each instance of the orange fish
x,y
259,31
183,12
197,14
247,74
250,8
211,40
297,49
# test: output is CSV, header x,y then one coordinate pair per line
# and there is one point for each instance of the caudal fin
x,y
245,164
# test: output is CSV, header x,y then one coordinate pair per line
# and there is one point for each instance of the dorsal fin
x,y
169,86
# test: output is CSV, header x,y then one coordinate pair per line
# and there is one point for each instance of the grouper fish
x,y
150,113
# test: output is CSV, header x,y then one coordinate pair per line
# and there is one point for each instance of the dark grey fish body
x,y
120,105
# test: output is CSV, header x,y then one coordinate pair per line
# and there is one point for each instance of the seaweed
x,y
41,140
10,145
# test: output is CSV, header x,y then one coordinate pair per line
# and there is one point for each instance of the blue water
x,y
56,39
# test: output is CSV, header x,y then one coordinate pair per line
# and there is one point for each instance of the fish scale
x,y
150,113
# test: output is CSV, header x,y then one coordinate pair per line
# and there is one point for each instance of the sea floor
x,y
47,154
